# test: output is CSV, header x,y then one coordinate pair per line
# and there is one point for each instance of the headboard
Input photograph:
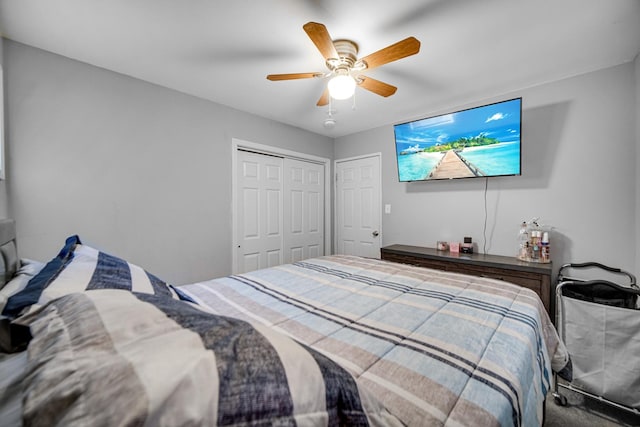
x,y
9,261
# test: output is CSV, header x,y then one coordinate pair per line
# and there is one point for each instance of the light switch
x,y
387,209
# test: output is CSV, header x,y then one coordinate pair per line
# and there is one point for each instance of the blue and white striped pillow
x,y
28,269
79,268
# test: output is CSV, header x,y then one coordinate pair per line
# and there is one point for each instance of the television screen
x,y
477,142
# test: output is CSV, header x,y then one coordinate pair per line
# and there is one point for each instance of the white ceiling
x,y
222,50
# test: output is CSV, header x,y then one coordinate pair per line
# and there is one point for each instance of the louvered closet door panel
x,y
259,210
303,210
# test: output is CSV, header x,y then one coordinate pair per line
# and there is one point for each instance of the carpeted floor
x,y
584,411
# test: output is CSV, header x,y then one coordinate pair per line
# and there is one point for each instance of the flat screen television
x,y
477,142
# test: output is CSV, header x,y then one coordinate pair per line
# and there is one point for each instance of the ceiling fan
x,y
345,67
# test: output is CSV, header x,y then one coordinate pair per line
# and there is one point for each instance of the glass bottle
x,y
535,245
544,250
523,242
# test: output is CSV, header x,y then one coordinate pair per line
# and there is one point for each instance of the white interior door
x,y
303,210
358,209
259,202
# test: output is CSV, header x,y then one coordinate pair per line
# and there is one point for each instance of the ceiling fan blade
x,y
402,49
292,76
324,99
320,37
376,86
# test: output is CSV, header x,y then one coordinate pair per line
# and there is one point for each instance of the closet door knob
x,y
375,233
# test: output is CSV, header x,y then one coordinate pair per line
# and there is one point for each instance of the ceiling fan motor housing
x,y
347,55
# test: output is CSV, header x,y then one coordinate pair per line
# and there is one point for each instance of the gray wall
x,y
637,177
4,200
579,176
143,171
137,170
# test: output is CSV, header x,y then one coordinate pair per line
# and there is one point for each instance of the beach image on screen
x,y
482,141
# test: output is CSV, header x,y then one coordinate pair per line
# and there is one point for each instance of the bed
x,y
92,339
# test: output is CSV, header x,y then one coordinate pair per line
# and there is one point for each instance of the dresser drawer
x,y
531,281
529,275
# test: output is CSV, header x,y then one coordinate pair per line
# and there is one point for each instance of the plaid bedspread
x,y
112,345
117,358
436,348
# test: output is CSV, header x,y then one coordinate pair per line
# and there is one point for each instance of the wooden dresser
x,y
535,276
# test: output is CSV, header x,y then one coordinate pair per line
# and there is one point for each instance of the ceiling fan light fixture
x,y
342,86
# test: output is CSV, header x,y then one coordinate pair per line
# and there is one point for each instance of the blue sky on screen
x,y
499,119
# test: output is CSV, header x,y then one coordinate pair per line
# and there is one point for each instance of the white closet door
x,y
303,210
358,207
280,210
259,210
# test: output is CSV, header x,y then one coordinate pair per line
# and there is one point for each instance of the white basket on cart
x,y
599,322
